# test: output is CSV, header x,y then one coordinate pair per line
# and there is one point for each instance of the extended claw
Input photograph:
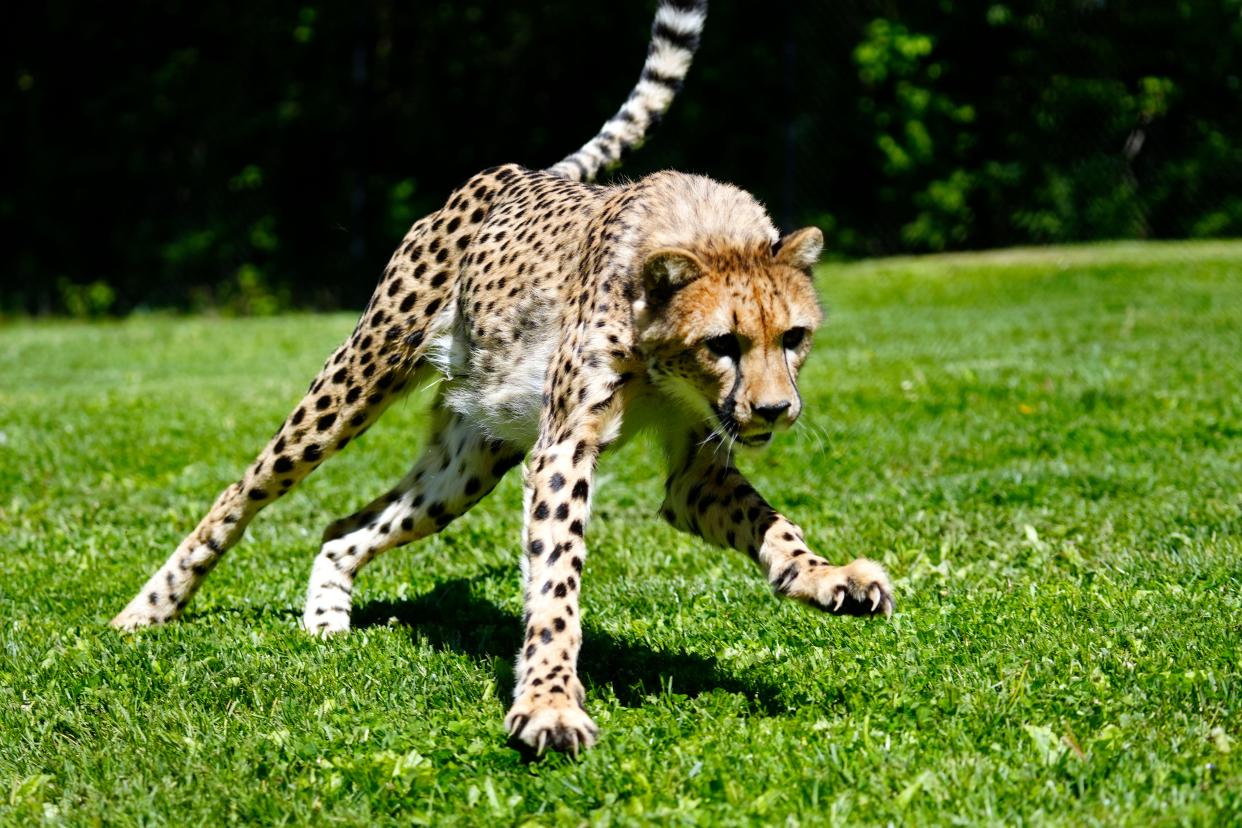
x,y
840,599
876,595
519,722
542,744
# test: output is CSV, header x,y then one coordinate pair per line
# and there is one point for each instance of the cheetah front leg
x,y
707,496
548,698
548,707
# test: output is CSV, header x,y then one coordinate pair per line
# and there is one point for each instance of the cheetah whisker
x,y
818,432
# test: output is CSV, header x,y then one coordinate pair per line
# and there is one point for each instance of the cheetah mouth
x,y
734,430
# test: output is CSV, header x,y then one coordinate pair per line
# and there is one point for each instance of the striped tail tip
x,y
675,37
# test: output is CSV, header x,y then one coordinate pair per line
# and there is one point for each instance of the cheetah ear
x,y
670,269
800,249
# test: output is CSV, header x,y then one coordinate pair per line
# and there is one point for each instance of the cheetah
x,y
561,318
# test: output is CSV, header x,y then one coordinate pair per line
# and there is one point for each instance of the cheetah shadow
x,y
453,617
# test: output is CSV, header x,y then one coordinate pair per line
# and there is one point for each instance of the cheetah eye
x,y
793,338
725,346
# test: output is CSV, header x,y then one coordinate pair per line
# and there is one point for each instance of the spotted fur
x,y
561,317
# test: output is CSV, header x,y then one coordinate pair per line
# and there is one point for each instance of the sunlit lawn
x,y
1045,448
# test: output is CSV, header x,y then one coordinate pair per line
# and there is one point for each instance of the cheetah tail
x,y
674,39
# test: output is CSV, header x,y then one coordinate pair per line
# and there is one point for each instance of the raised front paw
x,y
555,721
859,588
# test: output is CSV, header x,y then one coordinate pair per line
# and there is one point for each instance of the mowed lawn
x,y
1044,447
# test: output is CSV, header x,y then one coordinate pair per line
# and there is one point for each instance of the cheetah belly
x,y
506,404
496,384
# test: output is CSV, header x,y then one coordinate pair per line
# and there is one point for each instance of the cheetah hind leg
x,y
358,382
459,467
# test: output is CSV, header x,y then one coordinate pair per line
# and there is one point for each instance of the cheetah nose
x,y
771,412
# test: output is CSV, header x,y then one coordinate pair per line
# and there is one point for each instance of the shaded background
x,y
254,157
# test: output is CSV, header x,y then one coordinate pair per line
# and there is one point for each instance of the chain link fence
x,y
256,157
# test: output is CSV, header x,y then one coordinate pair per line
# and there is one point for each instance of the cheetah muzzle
x,y
562,317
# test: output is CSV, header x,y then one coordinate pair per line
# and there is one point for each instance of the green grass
x,y
1044,447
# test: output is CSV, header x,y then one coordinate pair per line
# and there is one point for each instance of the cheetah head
x,y
728,330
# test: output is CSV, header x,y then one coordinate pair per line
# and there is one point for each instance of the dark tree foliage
x,y
254,156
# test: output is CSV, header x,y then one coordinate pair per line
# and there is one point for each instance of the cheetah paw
x,y
858,588
325,622
137,615
559,724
